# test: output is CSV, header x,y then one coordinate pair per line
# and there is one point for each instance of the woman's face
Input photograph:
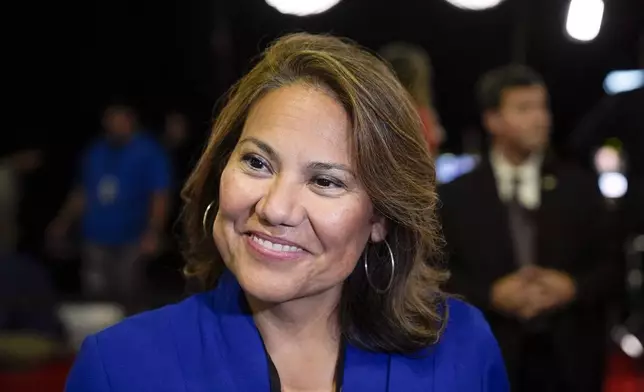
x,y
293,219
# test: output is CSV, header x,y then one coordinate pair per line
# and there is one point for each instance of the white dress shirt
x,y
528,173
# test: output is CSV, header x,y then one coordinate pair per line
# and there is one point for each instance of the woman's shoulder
x,y
157,322
466,331
142,348
466,358
464,318
468,354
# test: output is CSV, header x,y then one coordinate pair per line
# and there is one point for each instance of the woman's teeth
x,y
274,246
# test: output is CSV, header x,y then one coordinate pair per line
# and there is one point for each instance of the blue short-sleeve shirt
x,y
119,183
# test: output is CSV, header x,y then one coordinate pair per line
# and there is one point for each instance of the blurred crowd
x,y
531,239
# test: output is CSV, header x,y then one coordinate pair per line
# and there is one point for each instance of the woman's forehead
x,y
301,118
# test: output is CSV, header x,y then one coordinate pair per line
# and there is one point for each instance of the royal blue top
x,y
208,343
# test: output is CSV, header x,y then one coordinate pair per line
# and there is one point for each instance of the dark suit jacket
x,y
572,237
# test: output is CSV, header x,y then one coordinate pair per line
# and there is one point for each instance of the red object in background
x,y
624,374
47,378
430,129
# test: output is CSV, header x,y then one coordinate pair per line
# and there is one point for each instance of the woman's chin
x,y
267,290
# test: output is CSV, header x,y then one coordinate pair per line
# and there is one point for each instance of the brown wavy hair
x,y
392,162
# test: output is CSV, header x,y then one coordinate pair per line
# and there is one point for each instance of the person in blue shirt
x,y
310,219
122,201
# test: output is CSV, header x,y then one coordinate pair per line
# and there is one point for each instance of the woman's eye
x,y
254,162
327,183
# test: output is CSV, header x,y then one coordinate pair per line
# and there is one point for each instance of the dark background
x,y
66,61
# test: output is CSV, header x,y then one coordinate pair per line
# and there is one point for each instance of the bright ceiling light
x,y
623,81
475,5
632,346
613,185
584,19
302,7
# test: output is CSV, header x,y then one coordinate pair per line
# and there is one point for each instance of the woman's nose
x,y
281,204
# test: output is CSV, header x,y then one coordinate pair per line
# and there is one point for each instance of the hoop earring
x,y
391,277
204,221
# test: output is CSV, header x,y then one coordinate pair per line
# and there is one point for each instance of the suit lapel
x,y
365,371
241,347
549,217
489,211
377,372
414,374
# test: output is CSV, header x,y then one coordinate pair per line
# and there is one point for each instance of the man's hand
x,y
546,290
560,288
531,291
536,301
520,294
509,293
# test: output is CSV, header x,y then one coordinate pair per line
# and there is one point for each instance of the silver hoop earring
x,y
391,277
204,221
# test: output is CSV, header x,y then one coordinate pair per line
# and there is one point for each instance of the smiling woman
x,y
289,183
310,221
316,103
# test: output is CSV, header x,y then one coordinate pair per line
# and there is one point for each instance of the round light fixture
x,y
613,185
474,5
584,19
302,7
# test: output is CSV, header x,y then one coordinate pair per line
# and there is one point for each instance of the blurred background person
x,y
12,168
176,130
180,146
619,116
528,243
412,66
30,331
122,198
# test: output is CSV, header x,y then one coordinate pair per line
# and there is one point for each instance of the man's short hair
x,y
491,86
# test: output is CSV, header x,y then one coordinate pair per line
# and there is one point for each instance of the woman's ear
x,y
378,228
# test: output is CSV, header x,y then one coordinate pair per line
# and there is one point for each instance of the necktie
x,y
523,230
522,227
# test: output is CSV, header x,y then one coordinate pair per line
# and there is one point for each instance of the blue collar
x,y
241,352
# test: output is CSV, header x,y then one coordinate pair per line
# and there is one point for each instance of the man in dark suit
x,y
528,244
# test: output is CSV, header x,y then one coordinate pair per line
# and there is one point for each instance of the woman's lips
x,y
273,249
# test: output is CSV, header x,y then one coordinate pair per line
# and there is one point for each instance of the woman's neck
x,y
302,338
313,318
